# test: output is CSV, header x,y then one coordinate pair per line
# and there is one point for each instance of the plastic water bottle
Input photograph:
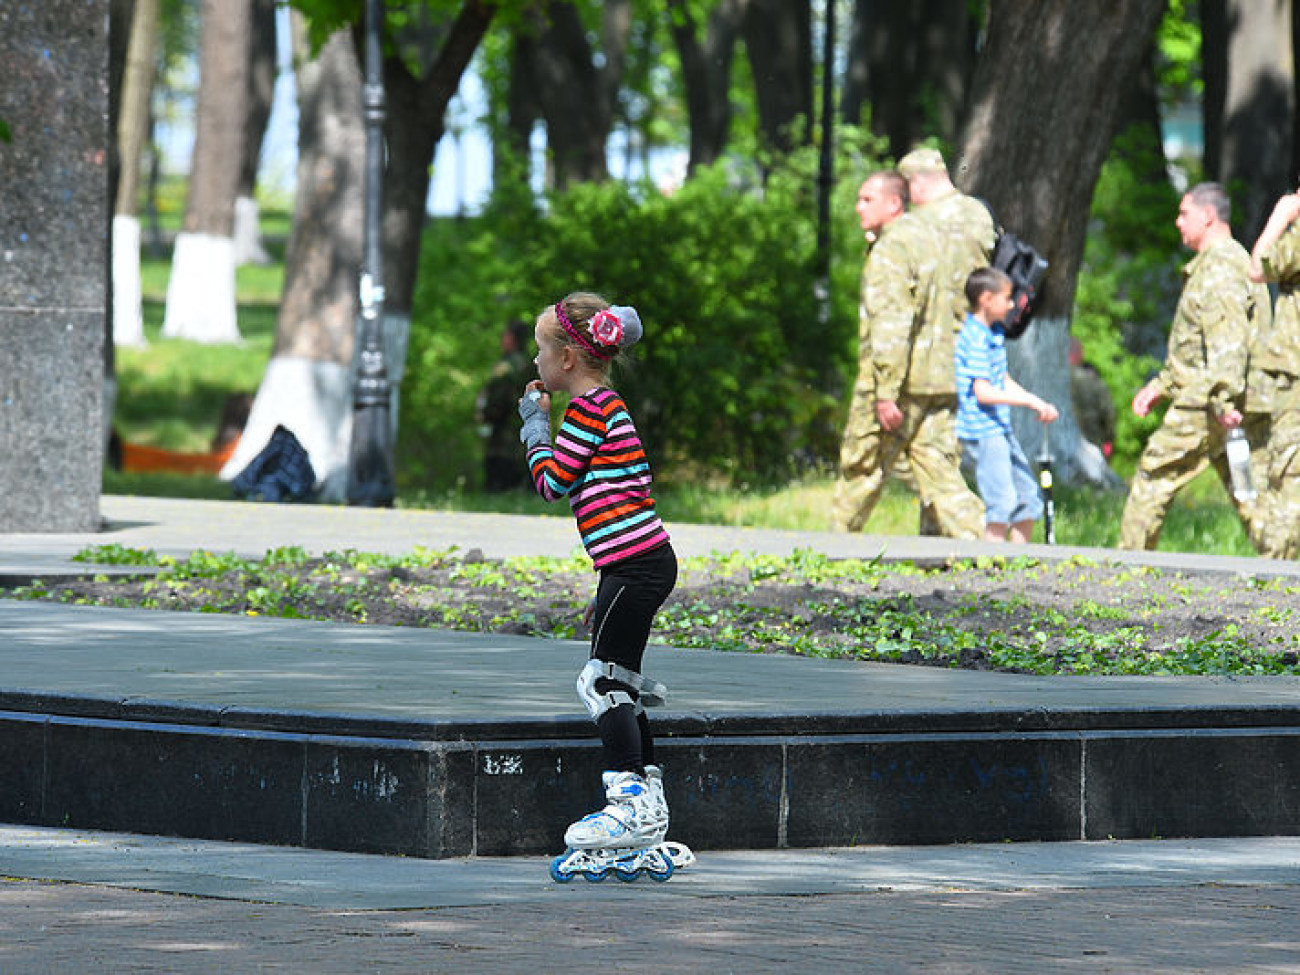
x,y
1243,482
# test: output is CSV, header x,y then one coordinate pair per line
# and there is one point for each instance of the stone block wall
x,y
53,262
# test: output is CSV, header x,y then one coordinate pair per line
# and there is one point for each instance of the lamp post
x,y
370,460
826,170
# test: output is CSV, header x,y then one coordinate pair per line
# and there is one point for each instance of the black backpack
x,y
1018,259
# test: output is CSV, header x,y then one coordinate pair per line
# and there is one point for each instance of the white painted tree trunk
x,y
201,290
248,233
314,400
128,326
1039,361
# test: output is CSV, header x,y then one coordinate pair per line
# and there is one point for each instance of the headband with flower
x,y
612,328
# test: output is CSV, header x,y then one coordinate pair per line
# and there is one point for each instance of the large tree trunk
x,y
1043,116
912,63
1258,111
201,290
307,386
120,16
417,108
778,39
261,92
706,74
132,131
1214,73
576,94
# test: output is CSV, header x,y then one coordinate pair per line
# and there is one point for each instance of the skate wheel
x,y
559,876
595,876
627,876
661,875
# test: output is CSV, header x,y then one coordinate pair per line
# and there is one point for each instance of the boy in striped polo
x,y
985,395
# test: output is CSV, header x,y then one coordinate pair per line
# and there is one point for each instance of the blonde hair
x,y
579,307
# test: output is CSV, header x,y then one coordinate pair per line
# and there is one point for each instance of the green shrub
x,y
740,378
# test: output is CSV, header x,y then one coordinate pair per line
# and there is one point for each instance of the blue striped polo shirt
x,y
980,353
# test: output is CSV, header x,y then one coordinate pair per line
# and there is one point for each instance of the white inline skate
x,y
626,837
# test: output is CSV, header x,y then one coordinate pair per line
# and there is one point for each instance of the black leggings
x,y
629,595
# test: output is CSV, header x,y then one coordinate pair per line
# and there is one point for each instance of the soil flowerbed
x,y
1022,615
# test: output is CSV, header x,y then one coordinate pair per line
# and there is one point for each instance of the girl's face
x,y
550,355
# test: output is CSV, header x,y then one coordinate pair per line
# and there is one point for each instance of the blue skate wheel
x,y
627,876
556,874
595,876
661,875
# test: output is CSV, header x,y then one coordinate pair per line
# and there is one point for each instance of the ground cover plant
x,y
1075,616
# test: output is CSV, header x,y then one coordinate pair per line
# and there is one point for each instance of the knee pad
x,y
649,693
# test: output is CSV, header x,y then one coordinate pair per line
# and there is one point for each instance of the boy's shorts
x,y
1005,480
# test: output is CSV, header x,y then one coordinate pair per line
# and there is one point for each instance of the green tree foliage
x,y
737,378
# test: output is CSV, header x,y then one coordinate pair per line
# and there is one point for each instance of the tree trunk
x,y
944,66
417,108
1258,112
778,39
575,94
1214,72
307,386
1055,102
706,74
521,114
132,130
201,291
120,15
261,93
912,63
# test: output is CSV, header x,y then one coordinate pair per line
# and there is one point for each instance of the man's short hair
x,y
982,281
1214,196
894,183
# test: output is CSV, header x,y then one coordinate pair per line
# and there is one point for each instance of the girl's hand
x,y
1047,413
538,392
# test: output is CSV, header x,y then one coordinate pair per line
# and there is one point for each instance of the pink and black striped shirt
x,y
598,461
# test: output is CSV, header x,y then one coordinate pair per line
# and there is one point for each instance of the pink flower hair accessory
x,y
606,328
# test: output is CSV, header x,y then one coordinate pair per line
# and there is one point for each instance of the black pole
x,y
370,466
826,171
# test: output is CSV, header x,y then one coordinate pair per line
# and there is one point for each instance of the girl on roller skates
x,y
597,461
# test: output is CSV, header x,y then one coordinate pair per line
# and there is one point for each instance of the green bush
x,y
739,378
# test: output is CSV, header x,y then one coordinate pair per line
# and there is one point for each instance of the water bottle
x,y
1243,482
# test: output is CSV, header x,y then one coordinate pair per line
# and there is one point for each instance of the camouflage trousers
x,y
1275,527
928,441
1188,440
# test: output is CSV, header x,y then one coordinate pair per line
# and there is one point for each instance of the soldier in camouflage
x,y
966,236
905,395
1204,375
1275,530
496,410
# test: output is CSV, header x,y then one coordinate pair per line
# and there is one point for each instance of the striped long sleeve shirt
x,y
598,462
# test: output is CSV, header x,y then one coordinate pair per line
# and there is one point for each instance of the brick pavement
x,y
70,928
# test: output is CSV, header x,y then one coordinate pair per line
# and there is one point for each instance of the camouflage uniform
x,y
1275,529
1204,376
504,464
966,235
905,356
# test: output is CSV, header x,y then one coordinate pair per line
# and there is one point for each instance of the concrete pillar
x,y
53,262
